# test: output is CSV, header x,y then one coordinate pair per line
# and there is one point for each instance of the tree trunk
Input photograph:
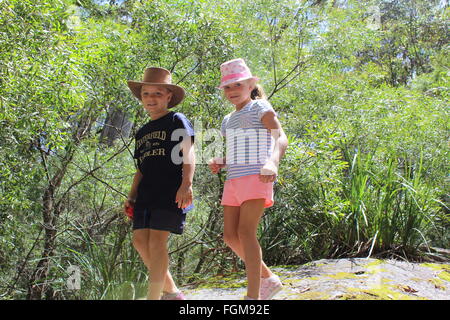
x,y
38,283
116,126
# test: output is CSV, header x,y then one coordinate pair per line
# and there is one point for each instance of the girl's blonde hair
x,y
258,93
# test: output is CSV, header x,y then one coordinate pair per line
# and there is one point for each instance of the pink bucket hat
x,y
233,71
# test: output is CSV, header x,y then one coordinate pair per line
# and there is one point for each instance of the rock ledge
x,y
347,279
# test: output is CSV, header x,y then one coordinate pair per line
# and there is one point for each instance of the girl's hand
x,y
184,196
215,164
268,172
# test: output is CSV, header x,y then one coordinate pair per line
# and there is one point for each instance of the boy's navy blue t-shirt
x,y
159,158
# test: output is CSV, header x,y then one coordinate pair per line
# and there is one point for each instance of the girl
x,y
255,145
161,192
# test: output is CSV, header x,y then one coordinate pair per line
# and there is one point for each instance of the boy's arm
x,y
188,161
134,186
184,195
132,195
270,169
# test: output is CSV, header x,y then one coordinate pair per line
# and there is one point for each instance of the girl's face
x,y
155,99
238,93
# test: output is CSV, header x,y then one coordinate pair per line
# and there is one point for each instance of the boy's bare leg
x,y
159,263
141,238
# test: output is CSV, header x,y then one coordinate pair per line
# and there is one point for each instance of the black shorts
x,y
172,220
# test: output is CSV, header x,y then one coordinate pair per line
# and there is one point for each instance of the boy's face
x,y
238,93
155,99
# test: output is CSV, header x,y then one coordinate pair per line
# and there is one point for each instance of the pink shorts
x,y
241,189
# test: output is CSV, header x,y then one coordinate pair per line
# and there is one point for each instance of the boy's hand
x,y
215,164
128,208
268,172
184,196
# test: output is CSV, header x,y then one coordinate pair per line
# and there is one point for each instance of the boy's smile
x,y
155,100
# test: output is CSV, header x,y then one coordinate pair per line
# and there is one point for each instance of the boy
x,y
161,192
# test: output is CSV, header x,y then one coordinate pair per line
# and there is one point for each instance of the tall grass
x,y
111,268
350,203
389,205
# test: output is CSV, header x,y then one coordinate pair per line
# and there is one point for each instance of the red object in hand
x,y
130,212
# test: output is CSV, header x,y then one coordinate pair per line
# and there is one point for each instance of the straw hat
x,y
233,71
158,77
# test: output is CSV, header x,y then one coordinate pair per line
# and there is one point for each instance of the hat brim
x,y
233,80
178,92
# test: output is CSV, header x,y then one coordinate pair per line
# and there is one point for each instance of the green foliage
x,y
366,109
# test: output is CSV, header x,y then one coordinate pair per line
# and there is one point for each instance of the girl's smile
x,y
238,93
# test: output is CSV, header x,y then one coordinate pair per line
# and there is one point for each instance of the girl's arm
x,y
184,195
270,169
215,164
